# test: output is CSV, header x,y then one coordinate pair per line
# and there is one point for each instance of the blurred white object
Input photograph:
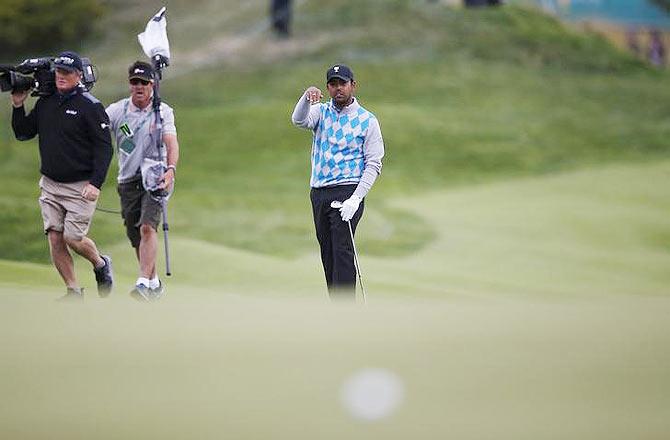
x,y
152,174
154,40
372,393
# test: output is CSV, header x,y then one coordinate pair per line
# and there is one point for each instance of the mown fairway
x,y
592,233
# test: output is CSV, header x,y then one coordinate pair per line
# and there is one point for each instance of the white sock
x,y
154,283
144,281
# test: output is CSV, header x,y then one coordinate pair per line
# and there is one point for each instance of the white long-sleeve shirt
x,y
347,148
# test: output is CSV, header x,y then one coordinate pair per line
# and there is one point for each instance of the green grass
x,y
211,365
454,111
539,306
514,250
596,232
244,174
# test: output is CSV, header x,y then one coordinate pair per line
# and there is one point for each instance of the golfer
x,y
75,152
132,120
347,152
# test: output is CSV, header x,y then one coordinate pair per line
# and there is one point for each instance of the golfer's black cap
x,y
340,71
141,70
69,61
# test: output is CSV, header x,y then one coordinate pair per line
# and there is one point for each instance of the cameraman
x,y
75,152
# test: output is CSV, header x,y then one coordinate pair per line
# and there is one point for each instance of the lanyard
x,y
142,122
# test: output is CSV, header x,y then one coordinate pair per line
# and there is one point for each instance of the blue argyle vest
x,y
337,150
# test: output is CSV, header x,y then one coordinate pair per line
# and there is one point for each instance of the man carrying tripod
x,y
75,152
133,124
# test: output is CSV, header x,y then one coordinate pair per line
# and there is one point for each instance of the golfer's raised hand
x,y
90,192
313,95
18,98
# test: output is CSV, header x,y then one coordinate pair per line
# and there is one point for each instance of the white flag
x,y
154,40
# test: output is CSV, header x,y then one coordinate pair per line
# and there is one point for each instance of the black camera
x,y
39,75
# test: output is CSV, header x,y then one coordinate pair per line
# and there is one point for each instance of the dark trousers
x,y
337,251
280,14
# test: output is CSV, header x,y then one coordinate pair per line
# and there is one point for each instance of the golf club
x,y
337,205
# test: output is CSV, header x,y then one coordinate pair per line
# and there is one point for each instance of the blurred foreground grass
x,y
219,366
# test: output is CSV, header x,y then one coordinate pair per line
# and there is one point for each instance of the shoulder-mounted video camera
x,y
39,75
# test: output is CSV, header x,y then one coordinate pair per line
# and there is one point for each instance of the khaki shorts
x,y
64,209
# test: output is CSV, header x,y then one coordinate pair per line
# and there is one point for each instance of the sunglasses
x,y
136,81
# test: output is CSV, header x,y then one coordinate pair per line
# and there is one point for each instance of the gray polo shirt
x,y
132,130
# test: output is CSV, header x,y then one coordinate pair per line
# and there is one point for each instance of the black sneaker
x,y
73,295
104,277
141,293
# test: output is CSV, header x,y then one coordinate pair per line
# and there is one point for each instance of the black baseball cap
x,y
340,71
69,61
141,70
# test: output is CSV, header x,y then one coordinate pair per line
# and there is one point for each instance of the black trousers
x,y
337,251
280,15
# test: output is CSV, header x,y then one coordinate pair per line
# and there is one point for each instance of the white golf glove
x,y
349,208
